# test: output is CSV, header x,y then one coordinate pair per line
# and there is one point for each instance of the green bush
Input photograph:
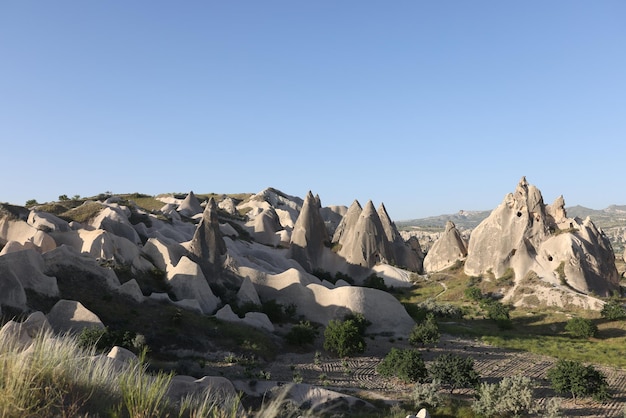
x,y
454,371
512,396
302,334
425,332
375,282
578,380
473,293
440,310
581,328
343,338
274,311
104,339
426,395
359,320
406,365
613,310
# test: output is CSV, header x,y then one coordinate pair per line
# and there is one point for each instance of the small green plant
x,y
302,334
63,198
613,310
507,278
473,293
578,380
31,202
343,338
407,365
512,396
375,282
426,395
425,332
454,371
581,328
560,271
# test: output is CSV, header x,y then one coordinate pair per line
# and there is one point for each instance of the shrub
x,y
578,380
63,198
406,365
274,311
498,312
613,310
512,396
425,332
302,334
359,320
375,282
454,371
440,310
426,395
581,328
473,293
31,202
343,338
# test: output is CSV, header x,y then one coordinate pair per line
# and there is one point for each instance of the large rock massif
x,y
211,257
570,256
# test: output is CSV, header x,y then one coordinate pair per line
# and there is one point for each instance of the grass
x,y
538,330
55,377
82,213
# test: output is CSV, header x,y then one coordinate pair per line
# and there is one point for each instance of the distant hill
x,y
613,216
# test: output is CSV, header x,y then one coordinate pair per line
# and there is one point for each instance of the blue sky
x,y
428,106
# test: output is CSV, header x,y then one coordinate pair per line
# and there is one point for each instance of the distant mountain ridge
x,y
610,217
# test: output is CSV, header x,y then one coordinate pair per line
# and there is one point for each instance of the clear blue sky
x,y
428,106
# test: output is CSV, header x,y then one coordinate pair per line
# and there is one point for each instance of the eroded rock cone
x,y
207,245
309,236
449,248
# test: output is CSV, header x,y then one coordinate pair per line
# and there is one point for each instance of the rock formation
x,y
448,249
525,235
190,206
405,255
207,245
309,238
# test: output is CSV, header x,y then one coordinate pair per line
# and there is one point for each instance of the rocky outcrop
x,y
188,282
253,319
405,255
27,268
207,245
65,258
447,250
190,206
115,220
72,316
18,230
309,238
366,243
265,227
525,235
347,223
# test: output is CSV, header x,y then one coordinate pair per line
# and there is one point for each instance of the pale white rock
x,y
423,413
447,250
228,205
19,231
309,238
47,222
115,220
207,245
188,282
132,290
227,230
28,267
264,227
226,314
247,293
408,256
122,355
72,316
14,246
66,257
258,320
394,276
165,253
190,206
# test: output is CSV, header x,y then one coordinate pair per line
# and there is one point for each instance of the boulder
x,y
27,267
423,413
190,206
207,245
247,293
72,316
14,246
65,257
47,222
164,252
132,290
449,248
253,319
264,227
15,229
122,355
188,282
22,334
309,238
228,205
115,220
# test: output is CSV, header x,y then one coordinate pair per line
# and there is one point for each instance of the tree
x,y
302,334
343,338
406,365
579,380
473,293
613,310
454,371
512,396
425,332
581,328
31,202
497,312
63,198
